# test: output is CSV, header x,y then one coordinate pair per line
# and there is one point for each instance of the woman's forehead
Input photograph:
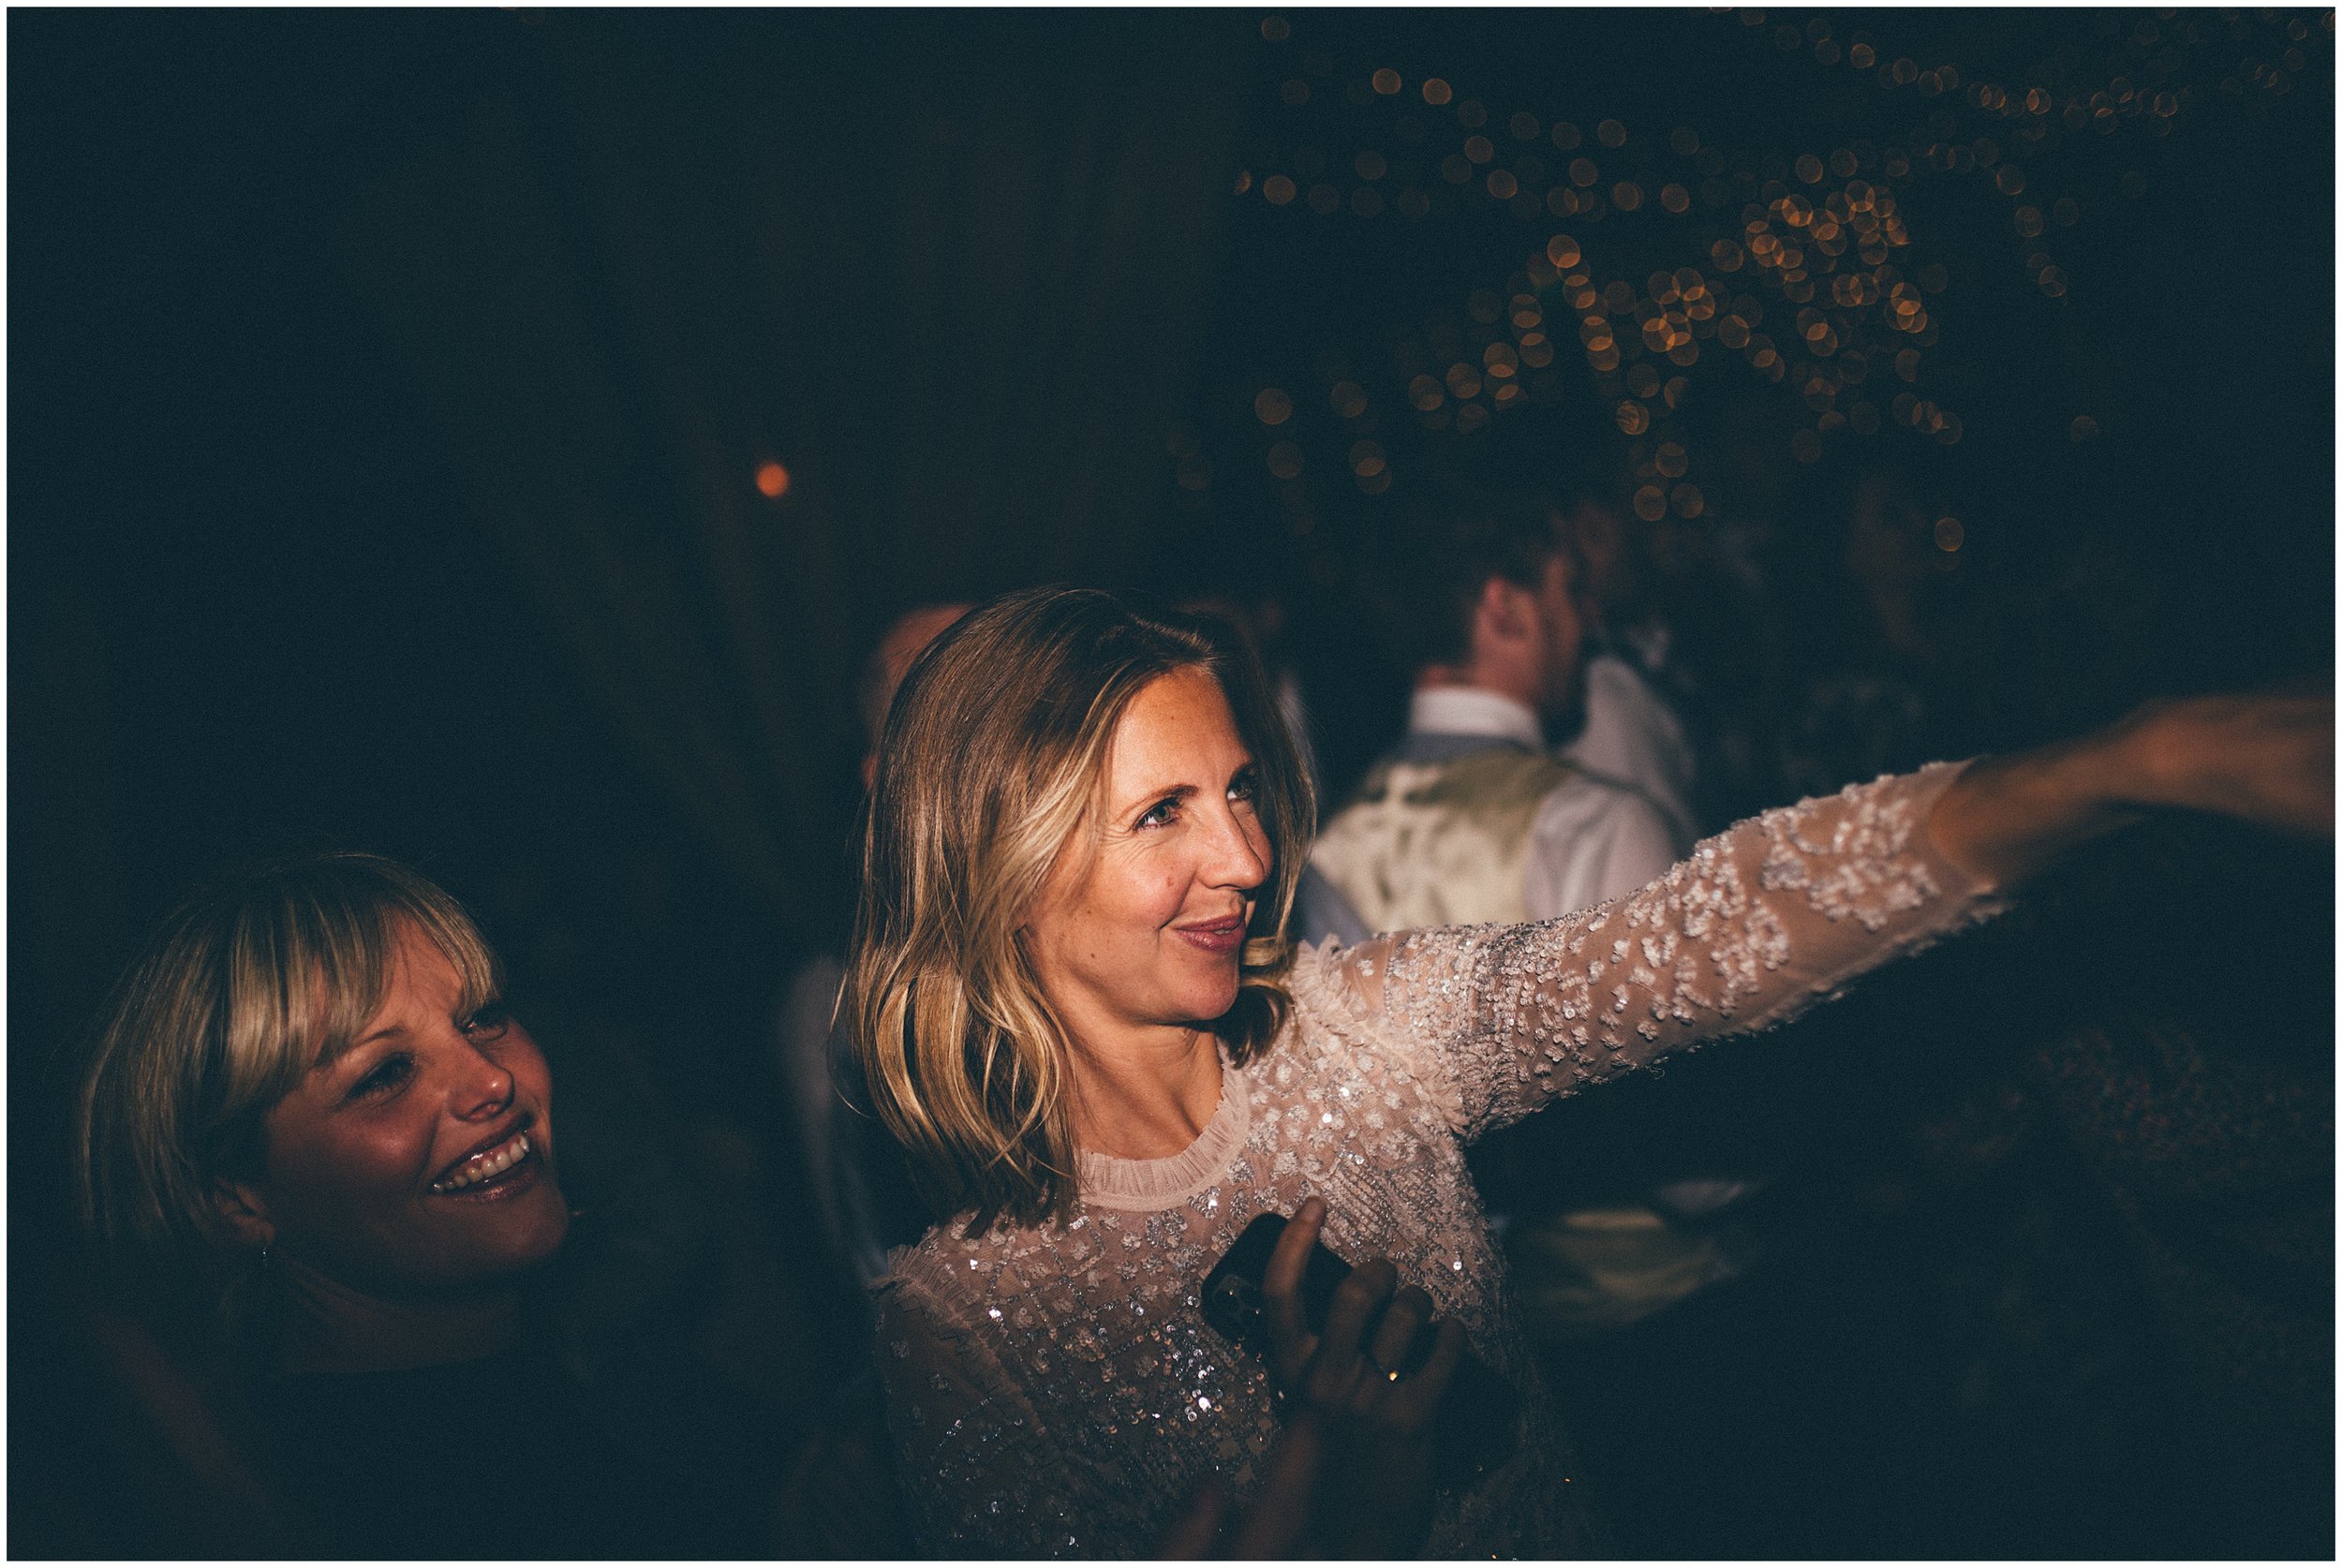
x,y
1177,723
412,969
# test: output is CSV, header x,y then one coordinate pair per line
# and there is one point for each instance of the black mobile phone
x,y
1477,1423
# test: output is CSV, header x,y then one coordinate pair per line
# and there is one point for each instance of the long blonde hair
x,y
993,758
245,989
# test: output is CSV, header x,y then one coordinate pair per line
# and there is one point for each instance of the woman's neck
x,y
332,1327
1148,1097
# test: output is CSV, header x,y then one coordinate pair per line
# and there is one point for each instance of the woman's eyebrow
x,y
1160,793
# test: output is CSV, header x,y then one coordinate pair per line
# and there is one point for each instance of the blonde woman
x,y
1074,1007
307,1094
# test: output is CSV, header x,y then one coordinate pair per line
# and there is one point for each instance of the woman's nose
x,y
484,1088
1241,857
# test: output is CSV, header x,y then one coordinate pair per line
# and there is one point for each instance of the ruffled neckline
x,y
1110,1181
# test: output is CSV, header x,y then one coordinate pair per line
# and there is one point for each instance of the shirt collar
x,y
1471,710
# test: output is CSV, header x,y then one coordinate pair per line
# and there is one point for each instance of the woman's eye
x,y
488,1022
1161,813
1244,786
384,1077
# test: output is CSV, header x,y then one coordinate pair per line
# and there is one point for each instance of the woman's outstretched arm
x,y
2265,760
1787,909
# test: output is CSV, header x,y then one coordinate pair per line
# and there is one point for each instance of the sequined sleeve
x,y
1764,919
969,1446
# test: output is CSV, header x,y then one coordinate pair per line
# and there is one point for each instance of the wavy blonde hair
x,y
245,989
991,765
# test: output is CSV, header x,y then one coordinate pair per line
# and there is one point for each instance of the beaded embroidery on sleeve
x,y
1053,1391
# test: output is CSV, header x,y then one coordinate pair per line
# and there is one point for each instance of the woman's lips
x,y
1215,936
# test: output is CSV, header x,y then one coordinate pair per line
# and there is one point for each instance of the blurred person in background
x,y
1474,818
1477,819
852,1166
1629,732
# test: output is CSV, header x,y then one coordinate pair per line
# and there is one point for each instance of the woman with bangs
x,y
1076,1007
308,1095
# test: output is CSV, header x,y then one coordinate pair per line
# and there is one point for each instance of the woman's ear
x,y
241,1205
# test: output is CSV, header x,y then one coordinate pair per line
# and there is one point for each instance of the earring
x,y
264,1257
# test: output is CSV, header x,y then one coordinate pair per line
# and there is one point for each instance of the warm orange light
x,y
772,480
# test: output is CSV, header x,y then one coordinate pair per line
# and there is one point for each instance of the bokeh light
x,y
1809,277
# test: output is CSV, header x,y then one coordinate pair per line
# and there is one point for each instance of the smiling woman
x,y
1076,1006
295,1063
308,1093
1067,789
419,1157
1135,938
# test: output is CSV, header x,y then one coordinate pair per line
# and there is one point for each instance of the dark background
x,y
387,394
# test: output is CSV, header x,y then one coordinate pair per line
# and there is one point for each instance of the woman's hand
x,y
1280,1515
2263,760
2267,760
1347,1370
1354,1392
1352,1478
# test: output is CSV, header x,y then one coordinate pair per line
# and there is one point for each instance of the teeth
x,y
479,1167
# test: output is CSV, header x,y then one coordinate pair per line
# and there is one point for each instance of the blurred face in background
x,y
1598,535
1562,626
889,662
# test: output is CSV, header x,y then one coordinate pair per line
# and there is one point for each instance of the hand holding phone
x,y
1354,1340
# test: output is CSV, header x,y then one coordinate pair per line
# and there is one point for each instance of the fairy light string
x,y
1798,270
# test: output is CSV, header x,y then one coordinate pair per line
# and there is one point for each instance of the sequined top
x,y
1053,1391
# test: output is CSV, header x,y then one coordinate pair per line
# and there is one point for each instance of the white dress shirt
x,y
1592,840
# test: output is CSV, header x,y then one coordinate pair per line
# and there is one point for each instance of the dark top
x,y
485,1460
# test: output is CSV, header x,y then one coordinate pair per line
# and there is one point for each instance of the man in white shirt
x,y
1473,819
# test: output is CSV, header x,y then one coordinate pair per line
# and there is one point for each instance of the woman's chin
x,y
524,1238
1208,1005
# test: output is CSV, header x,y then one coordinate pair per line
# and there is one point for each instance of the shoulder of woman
x,y
920,1265
1323,984
947,1272
920,1297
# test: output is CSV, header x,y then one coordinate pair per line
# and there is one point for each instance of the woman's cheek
x,y
1170,898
